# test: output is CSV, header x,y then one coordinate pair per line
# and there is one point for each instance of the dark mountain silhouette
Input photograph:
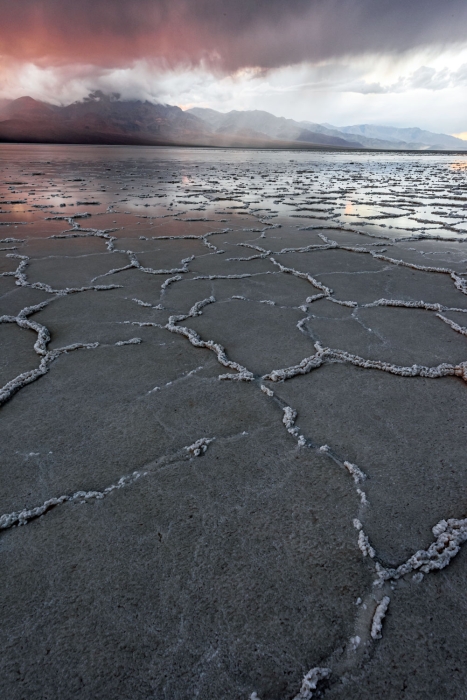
x,y
105,119
98,120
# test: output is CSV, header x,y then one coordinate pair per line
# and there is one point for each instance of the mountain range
x,y
362,135
106,119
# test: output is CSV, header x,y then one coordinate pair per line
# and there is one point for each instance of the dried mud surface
x,y
232,424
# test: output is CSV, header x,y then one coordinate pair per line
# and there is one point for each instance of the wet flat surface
x,y
232,424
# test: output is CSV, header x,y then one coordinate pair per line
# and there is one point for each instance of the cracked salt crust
x,y
310,682
132,341
23,517
40,347
455,326
355,472
449,534
193,337
378,617
200,446
303,275
328,354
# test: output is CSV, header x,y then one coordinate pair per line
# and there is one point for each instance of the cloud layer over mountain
x,y
341,61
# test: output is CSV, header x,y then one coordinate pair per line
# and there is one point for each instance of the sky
x,y
395,62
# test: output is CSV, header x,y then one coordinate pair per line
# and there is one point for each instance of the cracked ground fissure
x,y
294,310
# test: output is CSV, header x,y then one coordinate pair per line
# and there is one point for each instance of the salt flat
x,y
232,419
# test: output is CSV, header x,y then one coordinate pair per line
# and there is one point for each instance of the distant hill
x,y
365,135
98,120
265,124
104,119
365,141
409,135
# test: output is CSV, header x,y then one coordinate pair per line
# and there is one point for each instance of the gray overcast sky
x,y
340,61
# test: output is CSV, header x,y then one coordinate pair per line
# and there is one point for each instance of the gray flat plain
x,y
233,424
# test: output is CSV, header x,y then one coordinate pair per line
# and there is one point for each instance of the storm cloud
x,y
223,34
